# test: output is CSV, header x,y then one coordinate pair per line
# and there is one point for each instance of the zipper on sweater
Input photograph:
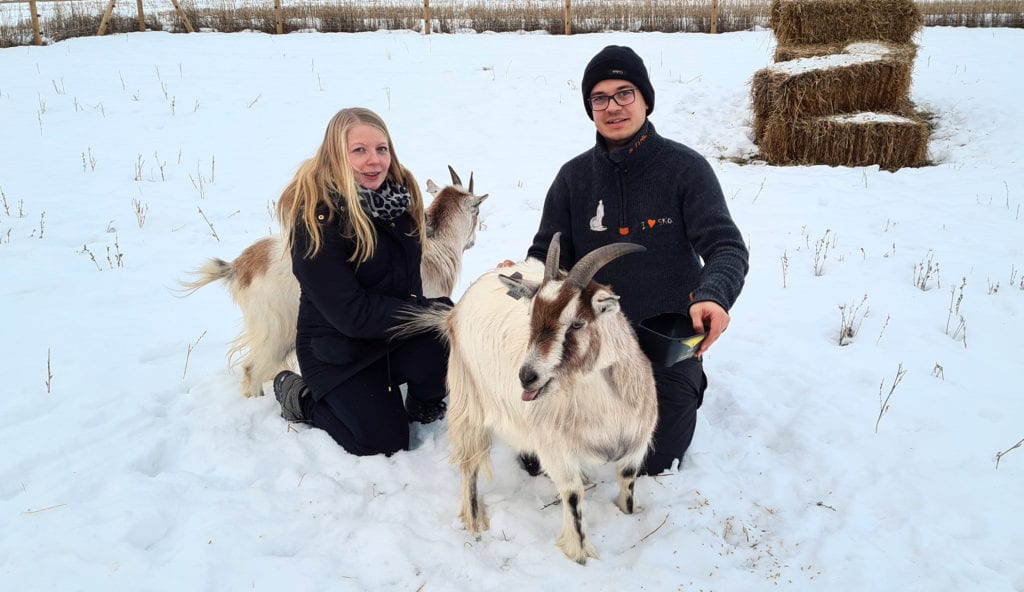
x,y
387,358
623,219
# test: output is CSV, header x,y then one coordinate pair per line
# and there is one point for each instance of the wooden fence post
x,y
426,17
37,39
568,18
278,14
105,19
181,14
142,17
714,16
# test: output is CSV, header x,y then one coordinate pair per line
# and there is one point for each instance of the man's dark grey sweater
x,y
662,195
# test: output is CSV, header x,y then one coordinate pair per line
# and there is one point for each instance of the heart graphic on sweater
x,y
650,223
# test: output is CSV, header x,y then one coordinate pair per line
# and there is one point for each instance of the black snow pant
x,y
680,392
366,414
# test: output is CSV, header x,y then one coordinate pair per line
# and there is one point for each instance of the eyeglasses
x,y
621,98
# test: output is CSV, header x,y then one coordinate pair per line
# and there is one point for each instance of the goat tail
x,y
414,320
213,270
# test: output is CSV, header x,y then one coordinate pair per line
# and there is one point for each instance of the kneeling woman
x,y
353,218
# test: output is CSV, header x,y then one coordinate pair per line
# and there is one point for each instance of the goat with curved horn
x,y
554,255
592,262
553,368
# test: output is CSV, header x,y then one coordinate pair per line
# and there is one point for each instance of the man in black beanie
x,y
635,186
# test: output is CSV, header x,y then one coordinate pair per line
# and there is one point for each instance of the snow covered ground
x,y
133,463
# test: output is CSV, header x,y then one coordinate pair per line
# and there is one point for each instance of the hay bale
x,y
866,77
889,140
785,53
804,22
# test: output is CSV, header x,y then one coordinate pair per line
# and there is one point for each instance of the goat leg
x,y
572,540
627,482
473,513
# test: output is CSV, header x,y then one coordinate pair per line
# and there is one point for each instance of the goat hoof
x,y
477,525
628,508
578,553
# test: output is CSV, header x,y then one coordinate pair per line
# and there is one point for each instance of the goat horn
x,y
470,183
455,178
554,254
585,269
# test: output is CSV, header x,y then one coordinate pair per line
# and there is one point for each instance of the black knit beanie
x,y
620,63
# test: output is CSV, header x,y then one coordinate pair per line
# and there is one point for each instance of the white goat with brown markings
x,y
551,365
261,282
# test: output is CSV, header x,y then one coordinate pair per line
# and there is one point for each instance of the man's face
x,y
618,123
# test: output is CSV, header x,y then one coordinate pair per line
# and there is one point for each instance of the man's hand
x,y
506,263
711,319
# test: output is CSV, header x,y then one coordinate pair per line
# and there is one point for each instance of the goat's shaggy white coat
x,y
261,283
599,406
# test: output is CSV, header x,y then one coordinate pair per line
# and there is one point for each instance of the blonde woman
x,y
353,220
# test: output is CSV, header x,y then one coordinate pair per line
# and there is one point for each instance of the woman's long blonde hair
x,y
330,172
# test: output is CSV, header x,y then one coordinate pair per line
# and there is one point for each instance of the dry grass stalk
x,y
49,372
972,13
801,22
867,77
1000,455
884,404
188,353
889,141
80,18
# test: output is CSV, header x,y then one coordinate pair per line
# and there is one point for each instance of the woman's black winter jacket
x,y
347,308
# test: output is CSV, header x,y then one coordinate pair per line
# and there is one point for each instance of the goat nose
x,y
527,377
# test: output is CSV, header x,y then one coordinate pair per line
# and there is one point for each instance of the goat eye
x,y
578,324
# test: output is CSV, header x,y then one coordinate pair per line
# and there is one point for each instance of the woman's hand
x,y
506,263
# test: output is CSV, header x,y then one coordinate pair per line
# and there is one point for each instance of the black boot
x,y
289,389
425,412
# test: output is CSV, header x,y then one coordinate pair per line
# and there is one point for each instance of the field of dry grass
x,y
62,19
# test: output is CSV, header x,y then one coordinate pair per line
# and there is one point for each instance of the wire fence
x,y
57,20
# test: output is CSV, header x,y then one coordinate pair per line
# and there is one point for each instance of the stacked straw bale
x,y
801,22
857,139
785,53
864,77
839,91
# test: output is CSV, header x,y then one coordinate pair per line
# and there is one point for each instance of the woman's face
x,y
369,155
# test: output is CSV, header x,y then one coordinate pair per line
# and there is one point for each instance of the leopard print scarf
x,y
386,203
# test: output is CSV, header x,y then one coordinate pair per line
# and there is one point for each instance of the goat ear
x,y
477,200
518,288
604,302
432,187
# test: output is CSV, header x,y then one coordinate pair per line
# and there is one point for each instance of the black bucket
x,y
668,338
